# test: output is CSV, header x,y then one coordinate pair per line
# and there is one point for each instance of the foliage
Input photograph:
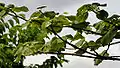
x,y
20,39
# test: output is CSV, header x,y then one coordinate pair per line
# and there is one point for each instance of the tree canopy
x,y
19,39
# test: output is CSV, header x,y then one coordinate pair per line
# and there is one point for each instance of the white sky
x,y
71,7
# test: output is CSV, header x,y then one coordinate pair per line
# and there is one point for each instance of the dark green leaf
x,y
11,6
2,4
102,14
6,25
70,37
21,9
93,45
2,28
71,18
16,19
98,4
108,37
11,22
41,7
50,14
80,26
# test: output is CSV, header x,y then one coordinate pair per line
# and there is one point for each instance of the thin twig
x,y
115,43
91,32
73,54
114,56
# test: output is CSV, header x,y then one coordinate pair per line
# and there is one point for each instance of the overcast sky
x,y
71,7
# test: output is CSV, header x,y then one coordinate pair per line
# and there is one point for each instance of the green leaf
x,y
80,42
71,17
16,19
65,13
102,14
104,53
6,25
58,29
80,26
45,24
102,27
2,4
56,44
11,22
93,45
2,13
35,14
83,49
11,6
70,37
78,36
98,4
17,59
22,15
83,9
108,37
117,36
98,61
82,13
50,14
2,28
21,9
41,7
82,17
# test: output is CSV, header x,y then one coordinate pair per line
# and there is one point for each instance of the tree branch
x,y
90,32
70,43
15,15
86,56
97,56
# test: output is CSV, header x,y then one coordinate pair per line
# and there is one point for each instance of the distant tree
x,y
19,39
